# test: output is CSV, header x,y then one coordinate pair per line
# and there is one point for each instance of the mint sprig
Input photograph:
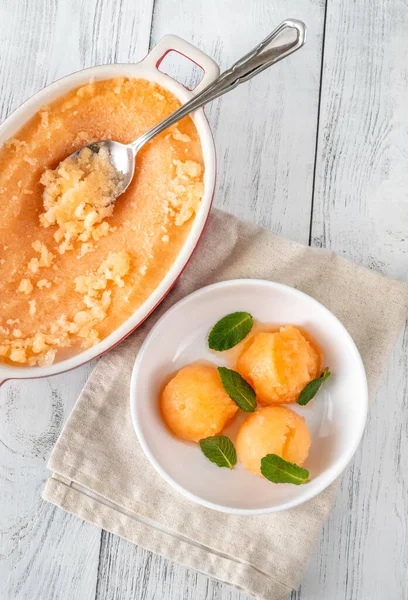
x,y
311,389
238,389
278,470
229,331
220,450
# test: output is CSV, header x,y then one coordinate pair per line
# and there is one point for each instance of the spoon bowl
x,y
122,158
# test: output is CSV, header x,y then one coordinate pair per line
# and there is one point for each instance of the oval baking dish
x,y
146,69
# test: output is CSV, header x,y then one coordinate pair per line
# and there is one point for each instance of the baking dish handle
x,y
173,43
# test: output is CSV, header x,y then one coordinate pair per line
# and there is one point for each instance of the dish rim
x,y
333,473
146,69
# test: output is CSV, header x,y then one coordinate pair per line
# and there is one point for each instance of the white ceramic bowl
x,y
146,69
336,417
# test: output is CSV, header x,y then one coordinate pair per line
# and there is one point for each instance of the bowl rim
x,y
334,471
23,113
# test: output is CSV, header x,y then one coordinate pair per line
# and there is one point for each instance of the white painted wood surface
x,y
349,193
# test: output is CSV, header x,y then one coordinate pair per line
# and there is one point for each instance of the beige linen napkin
x,y
101,474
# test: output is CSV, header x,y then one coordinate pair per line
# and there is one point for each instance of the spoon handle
x,y
256,61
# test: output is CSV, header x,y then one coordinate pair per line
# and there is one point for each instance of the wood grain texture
x,y
265,134
127,571
361,191
265,131
40,548
44,40
361,211
363,551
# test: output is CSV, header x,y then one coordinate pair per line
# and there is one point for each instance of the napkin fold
x,y
101,474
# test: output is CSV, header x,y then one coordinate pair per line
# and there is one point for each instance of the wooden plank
x,y
45,40
265,131
361,211
44,552
363,552
360,205
128,572
42,548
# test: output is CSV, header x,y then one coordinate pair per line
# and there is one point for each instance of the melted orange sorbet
x,y
65,287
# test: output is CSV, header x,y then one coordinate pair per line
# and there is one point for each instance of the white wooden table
x,y
315,149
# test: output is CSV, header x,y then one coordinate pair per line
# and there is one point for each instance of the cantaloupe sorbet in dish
x,y
194,403
73,267
272,430
278,364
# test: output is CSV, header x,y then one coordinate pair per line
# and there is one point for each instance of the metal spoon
x,y
123,156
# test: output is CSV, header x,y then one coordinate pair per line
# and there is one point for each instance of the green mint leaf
x,y
220,450
230,330
238,389
278,470
311,389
